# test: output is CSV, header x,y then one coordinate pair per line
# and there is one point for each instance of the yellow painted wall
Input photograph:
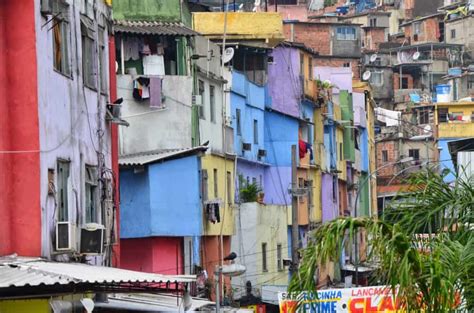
x,y
341,163
318,146
274,231
454,129
240,25
211,162
25,306
316,210
307,71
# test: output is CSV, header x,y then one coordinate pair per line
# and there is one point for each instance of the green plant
x,y
249,192
429,279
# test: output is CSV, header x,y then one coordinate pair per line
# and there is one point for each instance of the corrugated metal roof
x,y
155,156
37,272
153,28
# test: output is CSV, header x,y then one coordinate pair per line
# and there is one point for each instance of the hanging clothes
x,y
141,88
155,92
302,148
131,48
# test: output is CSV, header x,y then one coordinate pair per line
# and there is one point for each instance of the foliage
x,y
430,277
249,192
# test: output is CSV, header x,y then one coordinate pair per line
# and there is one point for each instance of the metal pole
x,y
217,274
294,214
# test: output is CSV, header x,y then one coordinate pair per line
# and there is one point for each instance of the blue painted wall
x,y
364,149
162,201
281,132
250,99
445,158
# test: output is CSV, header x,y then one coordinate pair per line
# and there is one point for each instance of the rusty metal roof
x,y
34,272
153,28
158,155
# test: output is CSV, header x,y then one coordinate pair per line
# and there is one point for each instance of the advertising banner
x,y
351,300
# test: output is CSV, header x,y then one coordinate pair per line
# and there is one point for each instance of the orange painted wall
x,y
210,256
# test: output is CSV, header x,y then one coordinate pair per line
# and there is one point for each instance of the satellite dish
x,y
228,55
366,75
416,56
427,129
373,58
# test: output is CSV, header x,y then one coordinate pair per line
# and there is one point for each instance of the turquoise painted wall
x,y
147,10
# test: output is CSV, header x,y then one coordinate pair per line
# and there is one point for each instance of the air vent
x,y
246,146
262,153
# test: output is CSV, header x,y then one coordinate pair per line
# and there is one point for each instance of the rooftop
x,y
158,155
153,28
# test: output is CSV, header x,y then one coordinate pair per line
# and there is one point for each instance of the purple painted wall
x,y
252,171
339,76
283,81
277,181
360,118
330,206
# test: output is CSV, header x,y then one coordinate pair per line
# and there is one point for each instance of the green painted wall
x,y
347,114
364,196
25,306
147,10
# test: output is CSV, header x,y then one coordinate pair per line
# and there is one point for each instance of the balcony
x,y
403,95
455,129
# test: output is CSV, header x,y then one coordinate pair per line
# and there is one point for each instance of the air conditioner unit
x,y
197,100
246,146
65,236
46,7
92,239
262,153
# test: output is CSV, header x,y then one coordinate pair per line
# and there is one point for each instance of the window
x,y
443,115
384,156
201,92
62,190
103,61
302,64
453,33
346,64
92,195
423,117
204,185
356,138
414,153
455,116
237,121
279,258
373,22
61,37
229,187
212,103
89,64
310,68
376,78
346,33
417,28
341,156
470,82
260,182
216,193
264,257
404,83
255,131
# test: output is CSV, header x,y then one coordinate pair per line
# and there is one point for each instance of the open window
x,y
252,62
61,35
89,59
91,188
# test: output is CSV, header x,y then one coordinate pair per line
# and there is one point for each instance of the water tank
x,y
443,93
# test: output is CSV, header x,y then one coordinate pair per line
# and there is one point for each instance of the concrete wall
x,y
464,29
155,129
341,77
70,116
170,212
455,129
251,171
346,48
284,83
259,224
329,204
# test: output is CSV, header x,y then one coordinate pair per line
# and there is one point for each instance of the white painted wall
x,y
156,129
256,224
68,120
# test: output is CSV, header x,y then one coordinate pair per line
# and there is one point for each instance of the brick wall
x,y
396,81
393,154
315,36
376,36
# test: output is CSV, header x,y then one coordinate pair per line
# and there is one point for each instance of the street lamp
x,y
404,160
230,270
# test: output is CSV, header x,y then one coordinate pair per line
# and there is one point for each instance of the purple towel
x,y
155,92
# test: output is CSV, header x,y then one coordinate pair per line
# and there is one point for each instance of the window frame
x,y
238,121
103,64
384,156
204,185
423,117
212,103
63,173
414,153
453,33
443,115
89,50
347,33
61,23
255,132
378,74
92,211
264,257
202,93
229,187
279,257
216,181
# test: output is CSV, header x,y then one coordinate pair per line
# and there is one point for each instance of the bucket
x,y
443,93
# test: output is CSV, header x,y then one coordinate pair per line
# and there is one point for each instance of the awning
x,y
153,28
158,155
36,277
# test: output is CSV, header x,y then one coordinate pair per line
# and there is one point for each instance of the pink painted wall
x,y
163,255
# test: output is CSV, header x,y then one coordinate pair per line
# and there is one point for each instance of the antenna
x,y
416,56
228,55
373,58
366,75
